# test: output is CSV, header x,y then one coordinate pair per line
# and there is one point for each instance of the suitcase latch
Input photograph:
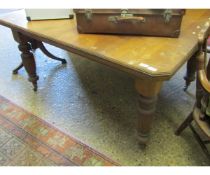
x,y
124,13
167,15
88,14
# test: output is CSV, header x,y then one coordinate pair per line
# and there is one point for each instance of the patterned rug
x,y
27,140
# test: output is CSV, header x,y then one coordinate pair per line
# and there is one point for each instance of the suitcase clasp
x,y
124,13
167,15
88,14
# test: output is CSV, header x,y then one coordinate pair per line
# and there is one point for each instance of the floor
x,y
15,152
27,140
98,106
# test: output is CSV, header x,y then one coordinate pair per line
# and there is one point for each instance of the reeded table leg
x,y
148,91
27,57
190,72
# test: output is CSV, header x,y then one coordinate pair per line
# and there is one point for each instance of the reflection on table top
x,y
153,56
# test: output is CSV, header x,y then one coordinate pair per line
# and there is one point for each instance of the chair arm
x,y
202,77
203,80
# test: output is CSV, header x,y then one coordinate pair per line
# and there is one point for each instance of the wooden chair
x,y
202,89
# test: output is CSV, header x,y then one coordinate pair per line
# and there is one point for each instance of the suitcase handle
x,y
117,19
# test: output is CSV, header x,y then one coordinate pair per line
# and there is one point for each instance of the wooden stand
x,y
26,46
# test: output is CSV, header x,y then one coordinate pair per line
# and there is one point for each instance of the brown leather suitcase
x,y
149,22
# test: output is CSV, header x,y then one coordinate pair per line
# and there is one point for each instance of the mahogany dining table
x,y
149,60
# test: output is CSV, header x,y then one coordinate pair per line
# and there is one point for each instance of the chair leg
x,y
201,143
186,123
15,71
206,141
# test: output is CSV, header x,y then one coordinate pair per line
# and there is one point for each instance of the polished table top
x,y
154,57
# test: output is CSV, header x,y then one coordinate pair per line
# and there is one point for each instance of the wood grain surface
x,y
153,57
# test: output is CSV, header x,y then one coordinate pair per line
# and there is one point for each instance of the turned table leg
x,y
27,57
147,98
190,72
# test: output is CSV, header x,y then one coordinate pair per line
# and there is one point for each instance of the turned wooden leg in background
x,y
35,44
15,71
27,57
190,72
46,52
147,98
